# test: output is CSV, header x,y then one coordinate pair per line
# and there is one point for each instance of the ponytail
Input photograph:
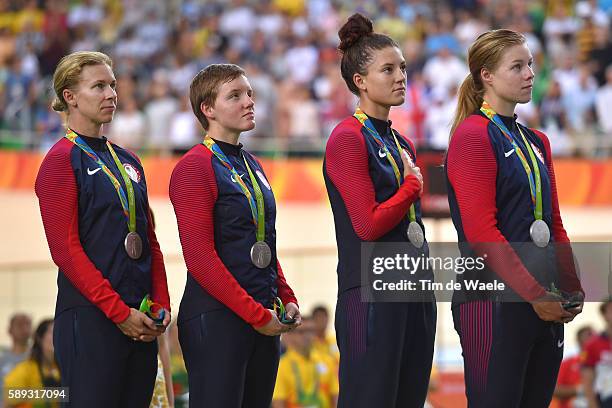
x,y
469,100
485,52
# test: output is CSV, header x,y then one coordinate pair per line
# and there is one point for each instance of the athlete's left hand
x,y
161,328
167,319
575,311
293,311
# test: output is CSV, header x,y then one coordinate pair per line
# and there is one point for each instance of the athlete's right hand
x,y
411,170
274,327
138,326
550,309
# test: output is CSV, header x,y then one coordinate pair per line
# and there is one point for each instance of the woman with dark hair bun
x,y
386,348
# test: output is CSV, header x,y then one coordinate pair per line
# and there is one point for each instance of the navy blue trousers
x,y
229,364
386,351
511,357
101,366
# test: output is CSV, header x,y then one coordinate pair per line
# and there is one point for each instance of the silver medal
x,y
261,255
540,233
133,245
415,234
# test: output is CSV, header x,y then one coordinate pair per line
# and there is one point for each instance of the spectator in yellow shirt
x,y
38,371
323,342
305,378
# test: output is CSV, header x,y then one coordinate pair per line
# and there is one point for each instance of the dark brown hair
x,y
206,84
357,43
604,305
36,353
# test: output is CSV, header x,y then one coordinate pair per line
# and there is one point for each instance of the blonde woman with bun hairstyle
x,y
95,212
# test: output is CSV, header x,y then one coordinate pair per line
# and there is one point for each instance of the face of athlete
x,y
384,83
95,99
234,109
512,81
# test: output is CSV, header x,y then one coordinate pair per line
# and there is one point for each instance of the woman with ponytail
x,y
504,205
374,187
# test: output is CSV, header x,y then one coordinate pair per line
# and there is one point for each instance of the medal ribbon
x,y
261,225
257,203
128,204
365,122
535,183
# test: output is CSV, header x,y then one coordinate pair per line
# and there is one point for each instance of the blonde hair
x,y
486,52
68,72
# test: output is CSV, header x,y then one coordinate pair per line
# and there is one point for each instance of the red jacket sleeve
x,y
193,192
569,281
346,163
158,270
57,194
472,171
284,290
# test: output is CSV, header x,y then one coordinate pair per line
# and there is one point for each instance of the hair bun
x,y
356,27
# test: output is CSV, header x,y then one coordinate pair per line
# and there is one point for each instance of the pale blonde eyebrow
x,y
522,60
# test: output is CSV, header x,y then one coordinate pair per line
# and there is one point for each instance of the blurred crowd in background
x,y
308,370
28,362
288,48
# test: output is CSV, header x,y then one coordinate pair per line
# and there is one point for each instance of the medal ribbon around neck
x,y
535,183
128,204
367,123
257,203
